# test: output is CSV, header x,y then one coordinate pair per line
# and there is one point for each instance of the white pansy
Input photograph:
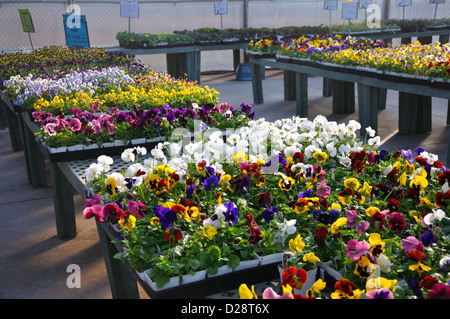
x,y
370,131
128,155
430,218
384,263
93,171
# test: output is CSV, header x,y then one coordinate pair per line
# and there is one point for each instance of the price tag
x,y
349,10
404,3
129,10
27,22
330,5
220,8
76,32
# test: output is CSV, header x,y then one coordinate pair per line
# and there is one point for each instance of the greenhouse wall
x,y
104,21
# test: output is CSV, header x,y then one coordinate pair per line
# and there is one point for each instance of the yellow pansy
x,y
351,183
316,288
380,282
208,231
311,257
320,157
370,211
337,225
246,293
129,224
296,244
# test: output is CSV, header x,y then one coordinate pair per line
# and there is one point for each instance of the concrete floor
x,y
34,262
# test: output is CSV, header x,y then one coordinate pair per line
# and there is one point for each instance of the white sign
x,y
330,4
364,4
404,3
129,10
349,10
437,1
220,8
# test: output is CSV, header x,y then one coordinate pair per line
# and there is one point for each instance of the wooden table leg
x,y
343,97
34,158
369,98
301,93
66,227
258,96
123,284
414,113
289,85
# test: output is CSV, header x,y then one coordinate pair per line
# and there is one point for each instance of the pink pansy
x,y
362,227
95,106
352,216
411,242
50,129
75,124
94,201
270,294
137,208
323,190
357,249
94,211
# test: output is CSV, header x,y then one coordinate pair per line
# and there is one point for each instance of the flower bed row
x,y
430,60
310,189
55,61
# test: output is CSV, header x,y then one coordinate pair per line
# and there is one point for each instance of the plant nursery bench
x,y
414,92
123,282
186,60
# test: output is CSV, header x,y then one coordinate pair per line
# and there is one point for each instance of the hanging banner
x,y
76,34
27,22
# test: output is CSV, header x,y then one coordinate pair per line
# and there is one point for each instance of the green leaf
x,y
194,263
213,269
215,252
233,261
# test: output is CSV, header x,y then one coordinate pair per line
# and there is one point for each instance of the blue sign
x,y
75,28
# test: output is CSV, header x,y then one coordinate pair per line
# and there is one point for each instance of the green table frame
x,y
414,98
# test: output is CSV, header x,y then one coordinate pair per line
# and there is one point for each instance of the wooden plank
x,y
343,97
327,88
64,206
15,130
289,85
369,99
121,281
301,92
258,96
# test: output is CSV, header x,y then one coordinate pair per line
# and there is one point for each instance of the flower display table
x,y
413,117
186,60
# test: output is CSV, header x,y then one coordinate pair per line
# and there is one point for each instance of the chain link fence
x,y
157,16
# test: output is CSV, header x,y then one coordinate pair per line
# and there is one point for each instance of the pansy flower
x,y
294,277
165,215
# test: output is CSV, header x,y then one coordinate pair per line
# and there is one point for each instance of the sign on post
x,y
76,35
349,10
330,4
404,3
364,4
27,22
220,8
129,10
